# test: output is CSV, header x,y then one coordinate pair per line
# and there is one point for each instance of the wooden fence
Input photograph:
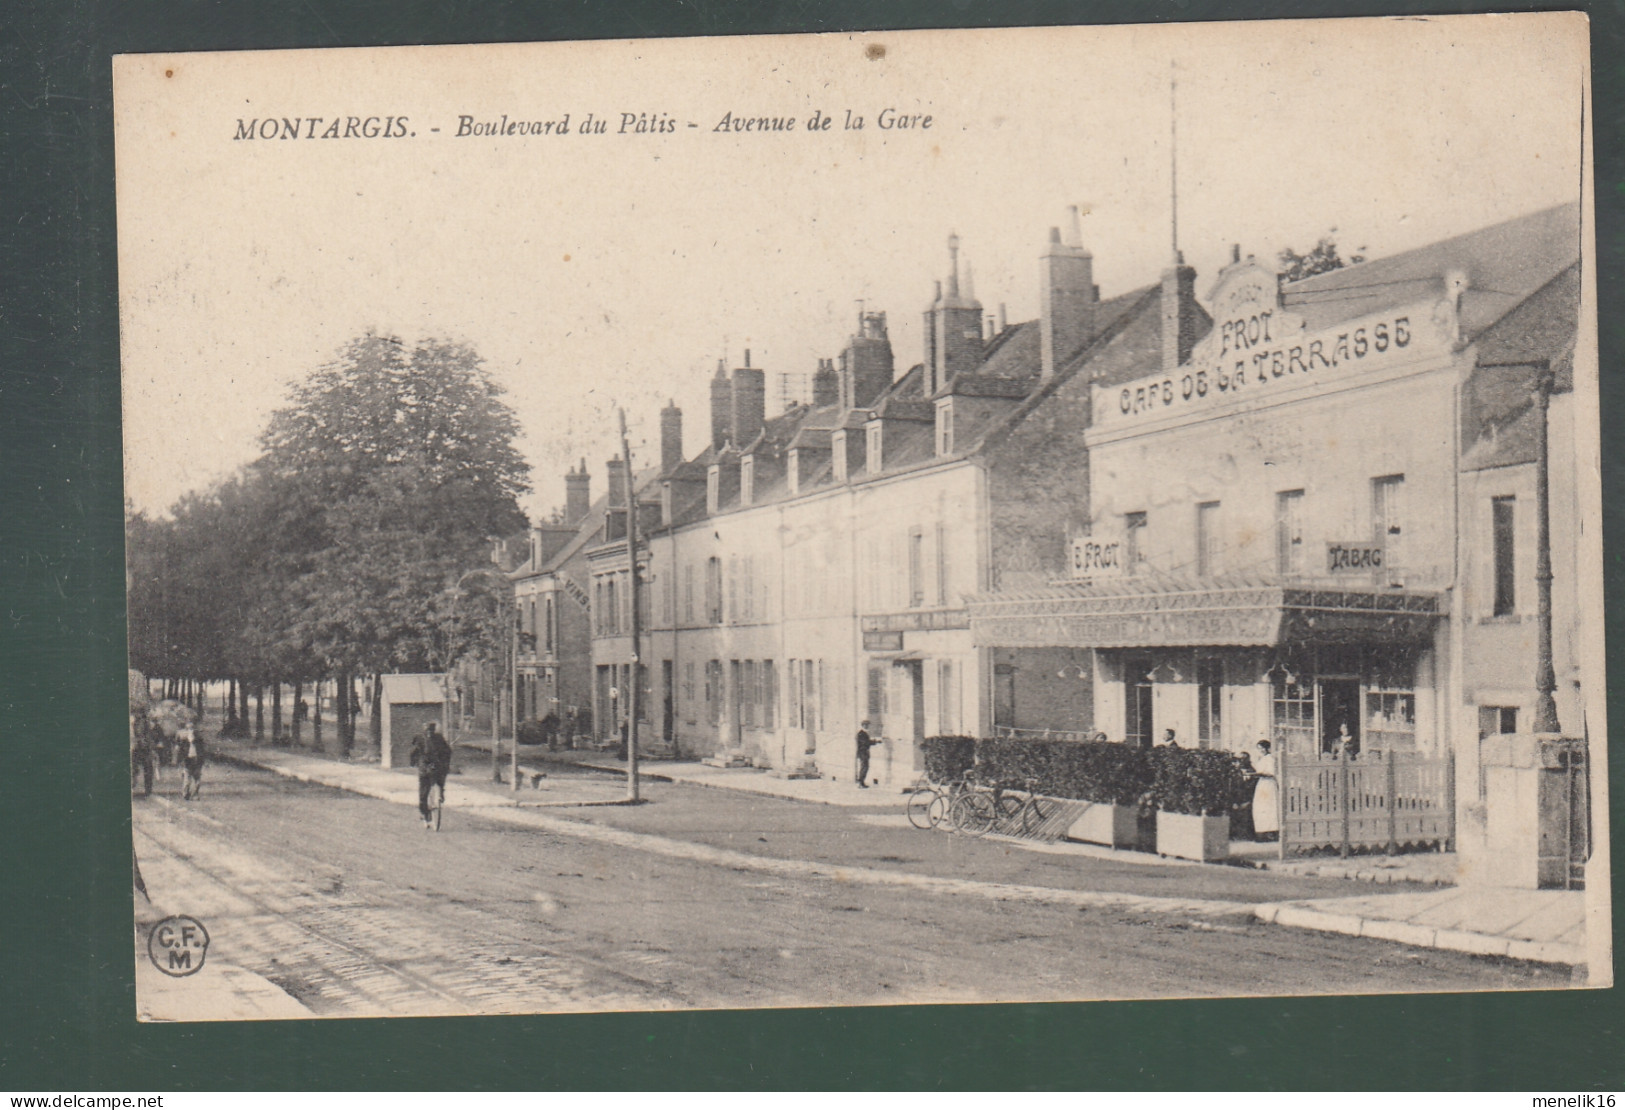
x,y
1377,800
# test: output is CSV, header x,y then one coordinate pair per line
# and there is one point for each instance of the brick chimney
x,y
1067,310
826,385
616,468
955,322
1180,315
577,494
866,364
749,408
721,407
671,437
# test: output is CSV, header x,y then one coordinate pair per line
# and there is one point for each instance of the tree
x,y
342,550
406,464
1323,257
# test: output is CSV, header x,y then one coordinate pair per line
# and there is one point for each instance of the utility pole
x,y
633,682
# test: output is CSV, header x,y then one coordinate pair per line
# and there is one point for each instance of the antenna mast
x,y
1173,160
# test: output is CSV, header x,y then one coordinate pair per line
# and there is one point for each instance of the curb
x,y
1419,936
732,858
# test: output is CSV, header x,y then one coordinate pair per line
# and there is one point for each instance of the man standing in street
x,y
865,742
431,755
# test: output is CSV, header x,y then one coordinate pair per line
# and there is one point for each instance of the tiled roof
x,y
1504,264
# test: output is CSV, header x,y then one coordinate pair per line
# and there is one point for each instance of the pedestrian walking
x,y
1266,796
865,742
192,757
141,756
431,755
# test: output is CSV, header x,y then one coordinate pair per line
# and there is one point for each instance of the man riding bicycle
x,y
431,755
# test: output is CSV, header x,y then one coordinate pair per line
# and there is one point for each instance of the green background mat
x,y
66,941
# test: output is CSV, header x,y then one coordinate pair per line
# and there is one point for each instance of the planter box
x,y
1200,838
1103,823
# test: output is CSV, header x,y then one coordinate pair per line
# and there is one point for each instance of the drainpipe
x,y
1546,722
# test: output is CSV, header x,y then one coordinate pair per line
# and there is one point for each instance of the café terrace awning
x,y
1144,614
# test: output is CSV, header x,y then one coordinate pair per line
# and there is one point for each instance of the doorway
x,y
1137,692
1339,708
668,680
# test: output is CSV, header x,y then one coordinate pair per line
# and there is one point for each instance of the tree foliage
x,y
348,546
1321,258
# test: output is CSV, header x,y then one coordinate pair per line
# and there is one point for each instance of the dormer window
x,y
747,480
837,443
874,464
945,426
713,489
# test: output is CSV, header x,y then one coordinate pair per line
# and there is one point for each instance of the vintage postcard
x,y
951,516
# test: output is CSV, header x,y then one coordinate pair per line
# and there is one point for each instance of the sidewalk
x,y
220,991
1541,926
694,773
1547,926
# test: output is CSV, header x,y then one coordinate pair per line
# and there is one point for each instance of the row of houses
x,y
1298,511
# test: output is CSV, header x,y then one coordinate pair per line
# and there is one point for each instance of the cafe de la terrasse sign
x,y
1257,348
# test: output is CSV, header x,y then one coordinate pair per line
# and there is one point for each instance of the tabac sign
x,y
1354,556
1256,349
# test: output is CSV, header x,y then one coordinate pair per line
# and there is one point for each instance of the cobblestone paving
x,y
360,947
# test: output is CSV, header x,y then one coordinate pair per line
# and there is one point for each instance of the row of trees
x,y
346,548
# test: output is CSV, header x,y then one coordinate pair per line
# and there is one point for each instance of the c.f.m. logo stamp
x,y
178,945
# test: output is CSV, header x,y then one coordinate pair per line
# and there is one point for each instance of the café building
x,y
1277,530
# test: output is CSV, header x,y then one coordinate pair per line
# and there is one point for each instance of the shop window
x,y
770,694
1289,531
1209,703
1293,712
1503,518
793,709
1207,538
1133,541
1390,719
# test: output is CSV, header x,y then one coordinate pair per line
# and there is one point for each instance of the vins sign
x,y
1354,558
1093,558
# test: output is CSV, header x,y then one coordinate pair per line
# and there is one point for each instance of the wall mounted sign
x,y
1257,348
1353,556
1096,558
882,641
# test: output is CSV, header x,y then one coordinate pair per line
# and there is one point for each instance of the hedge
x,y
1199,782
1179,780
949,757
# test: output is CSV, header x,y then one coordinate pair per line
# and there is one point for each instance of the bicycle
x,y
929,804
1029,813
437,803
